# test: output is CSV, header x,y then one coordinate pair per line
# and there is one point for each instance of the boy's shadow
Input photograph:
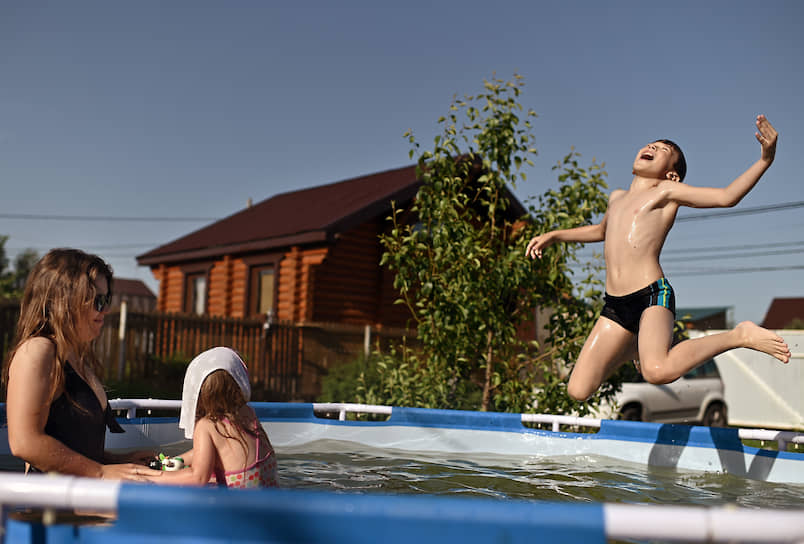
x,y
672,440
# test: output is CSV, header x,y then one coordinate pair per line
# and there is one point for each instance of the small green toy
x,y
163,462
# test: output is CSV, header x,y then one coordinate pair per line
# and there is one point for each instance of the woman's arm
x,y
28,401
140,457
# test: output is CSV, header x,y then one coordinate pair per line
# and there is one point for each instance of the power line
x,y
730,248
741,211
92,247
47,217
736,255
738,270
53,217
725,271
585,253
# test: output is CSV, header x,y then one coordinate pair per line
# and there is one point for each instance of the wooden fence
x,y
286,361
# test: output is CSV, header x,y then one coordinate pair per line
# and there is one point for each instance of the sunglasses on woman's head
x,y
102,302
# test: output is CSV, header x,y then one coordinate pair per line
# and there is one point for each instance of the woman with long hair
x,y
56,406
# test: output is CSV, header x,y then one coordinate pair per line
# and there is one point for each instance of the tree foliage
x,y
12,282
460,268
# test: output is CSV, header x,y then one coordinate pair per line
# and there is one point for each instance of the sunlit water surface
x,y
345,467
349,468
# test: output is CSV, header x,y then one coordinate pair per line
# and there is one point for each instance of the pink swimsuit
x,y
261,473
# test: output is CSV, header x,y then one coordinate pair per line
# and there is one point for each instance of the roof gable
x,y
782,312
306,215
130,287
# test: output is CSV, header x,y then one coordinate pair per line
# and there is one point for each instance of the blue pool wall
x,y
630,431
155,514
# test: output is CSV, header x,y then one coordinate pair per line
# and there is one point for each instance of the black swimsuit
x,y
627,310
83,429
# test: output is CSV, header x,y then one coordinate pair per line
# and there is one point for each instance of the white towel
x,y
199,368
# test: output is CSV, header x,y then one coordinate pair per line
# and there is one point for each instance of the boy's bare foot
x,y
754,337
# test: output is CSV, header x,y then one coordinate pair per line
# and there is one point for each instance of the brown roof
x,y
134,288
298,217
308,215
782,311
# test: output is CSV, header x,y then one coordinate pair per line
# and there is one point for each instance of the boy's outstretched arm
x,y
726,197
587,233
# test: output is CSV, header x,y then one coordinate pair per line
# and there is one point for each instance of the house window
x,y
195,295
262,289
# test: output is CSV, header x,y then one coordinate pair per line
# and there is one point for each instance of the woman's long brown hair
x,y
58,294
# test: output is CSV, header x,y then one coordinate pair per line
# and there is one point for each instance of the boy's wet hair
x,y
681,164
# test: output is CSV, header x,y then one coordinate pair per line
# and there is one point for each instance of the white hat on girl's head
x,y
197,371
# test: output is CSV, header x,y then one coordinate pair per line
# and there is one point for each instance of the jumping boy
x,y
639,311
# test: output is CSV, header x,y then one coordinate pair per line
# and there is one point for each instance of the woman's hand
x,y
129,471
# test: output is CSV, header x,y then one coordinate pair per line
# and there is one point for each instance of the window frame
x,y
254,265
191,273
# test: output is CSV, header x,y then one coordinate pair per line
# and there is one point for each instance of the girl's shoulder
x,y
208,425
204,424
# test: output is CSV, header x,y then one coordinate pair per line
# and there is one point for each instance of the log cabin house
x,y
304,256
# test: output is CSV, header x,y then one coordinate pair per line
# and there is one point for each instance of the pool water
x,y
568,478
346,467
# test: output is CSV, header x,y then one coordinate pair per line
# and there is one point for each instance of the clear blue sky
x,y
190,108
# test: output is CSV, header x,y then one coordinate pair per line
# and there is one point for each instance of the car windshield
x,y
706,370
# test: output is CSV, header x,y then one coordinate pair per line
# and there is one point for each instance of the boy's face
x,y
656,160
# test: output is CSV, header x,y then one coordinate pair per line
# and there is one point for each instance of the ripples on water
x,y
351,468
568,478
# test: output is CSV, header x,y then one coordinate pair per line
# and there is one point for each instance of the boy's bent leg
x,y
601,354
663,364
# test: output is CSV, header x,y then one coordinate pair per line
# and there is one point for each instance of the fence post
x,y
367,340
121,355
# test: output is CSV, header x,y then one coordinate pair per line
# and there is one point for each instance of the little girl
x,y
229,444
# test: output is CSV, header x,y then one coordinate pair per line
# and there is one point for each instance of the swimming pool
x,y
408,478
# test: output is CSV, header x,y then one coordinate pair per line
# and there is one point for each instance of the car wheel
x,y
715,415
632,412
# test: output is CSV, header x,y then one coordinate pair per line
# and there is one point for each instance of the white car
x,y
696,397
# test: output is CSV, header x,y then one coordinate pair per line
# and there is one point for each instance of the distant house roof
x,y
134,288
782,312
697,314
298,217
307,215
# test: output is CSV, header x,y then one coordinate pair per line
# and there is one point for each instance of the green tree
x,y
796,323
461,271
23,264
6,278
12,282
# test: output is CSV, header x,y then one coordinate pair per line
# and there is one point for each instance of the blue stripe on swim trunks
x,y
661,293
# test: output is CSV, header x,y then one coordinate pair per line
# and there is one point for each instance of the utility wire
x,y
730,248
735,255
741,211
52,217
48,217
738,270
94,248
724,271
588,253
